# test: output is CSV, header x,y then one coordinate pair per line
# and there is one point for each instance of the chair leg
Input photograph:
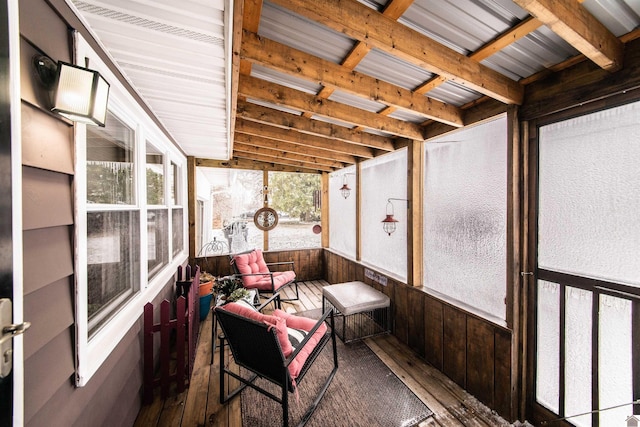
x,y
295,284
285,406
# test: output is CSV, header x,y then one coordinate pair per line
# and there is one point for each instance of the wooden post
x,y
358,211
191,204
265,187
324,209
415,194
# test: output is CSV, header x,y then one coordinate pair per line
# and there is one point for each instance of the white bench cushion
x,y
354,297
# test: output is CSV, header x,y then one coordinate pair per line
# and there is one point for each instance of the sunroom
x,y
474,161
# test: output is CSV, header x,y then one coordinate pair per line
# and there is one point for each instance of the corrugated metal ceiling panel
x,y
277,77
385,67
291,29
618,16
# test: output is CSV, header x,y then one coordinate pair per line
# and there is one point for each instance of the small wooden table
x,y
360,311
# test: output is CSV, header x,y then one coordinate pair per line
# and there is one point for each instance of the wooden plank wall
x,y
308,263
470,350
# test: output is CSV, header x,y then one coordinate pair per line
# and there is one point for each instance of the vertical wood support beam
x,y
358,211
526,265
513,301
191,204
415,194
324,209
265,187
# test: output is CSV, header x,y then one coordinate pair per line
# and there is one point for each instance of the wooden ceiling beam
x,y
269,116
238,16
250,21
275,144
293,136
365,24
271,54
393,10
281,161
252,87
285,155
573,22
252,165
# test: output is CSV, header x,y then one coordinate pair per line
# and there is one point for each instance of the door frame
x,y
13,36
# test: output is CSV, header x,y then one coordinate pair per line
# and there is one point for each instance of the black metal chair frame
x,y
255,347
272,291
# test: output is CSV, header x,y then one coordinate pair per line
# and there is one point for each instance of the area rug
x,y
364,392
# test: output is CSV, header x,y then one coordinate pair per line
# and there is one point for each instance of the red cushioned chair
x,y
251,267
261,344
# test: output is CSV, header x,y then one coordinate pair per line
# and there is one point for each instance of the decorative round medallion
x,y
265,219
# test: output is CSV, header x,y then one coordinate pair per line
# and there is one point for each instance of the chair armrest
x,y
274,297
306,339
253,274
280,262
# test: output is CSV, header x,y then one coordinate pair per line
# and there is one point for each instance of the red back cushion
x,y
306,324
251,313
251,263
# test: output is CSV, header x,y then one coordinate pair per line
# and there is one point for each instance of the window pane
x,y
465,217
342,212
173,183
295,196
548,346
236,196
110,163
578,349
155,176
589,186
382,178
158,240
615,369
113,254
178,230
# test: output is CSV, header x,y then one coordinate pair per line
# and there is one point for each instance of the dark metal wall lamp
x,y
389,222
345,190
79,94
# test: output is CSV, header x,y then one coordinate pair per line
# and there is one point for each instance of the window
x,y
296,198
465,217
382,178
128,187
157,218
342,212
155,176
112,220
177,212
236,195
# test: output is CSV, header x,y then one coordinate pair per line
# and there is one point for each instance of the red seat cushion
x,y
253,263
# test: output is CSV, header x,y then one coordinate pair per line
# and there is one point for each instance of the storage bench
x,y
360,311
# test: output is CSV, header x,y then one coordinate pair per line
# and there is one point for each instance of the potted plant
x,y
229,288
206,284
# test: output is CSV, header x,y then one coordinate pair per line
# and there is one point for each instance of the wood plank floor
x,y
199,404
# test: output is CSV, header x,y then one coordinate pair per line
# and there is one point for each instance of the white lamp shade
x,y
81,94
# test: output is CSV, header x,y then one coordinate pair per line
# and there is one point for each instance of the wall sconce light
x,y
389,222
80,94
345,190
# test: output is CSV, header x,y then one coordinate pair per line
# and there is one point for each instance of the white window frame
x,y
93,352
